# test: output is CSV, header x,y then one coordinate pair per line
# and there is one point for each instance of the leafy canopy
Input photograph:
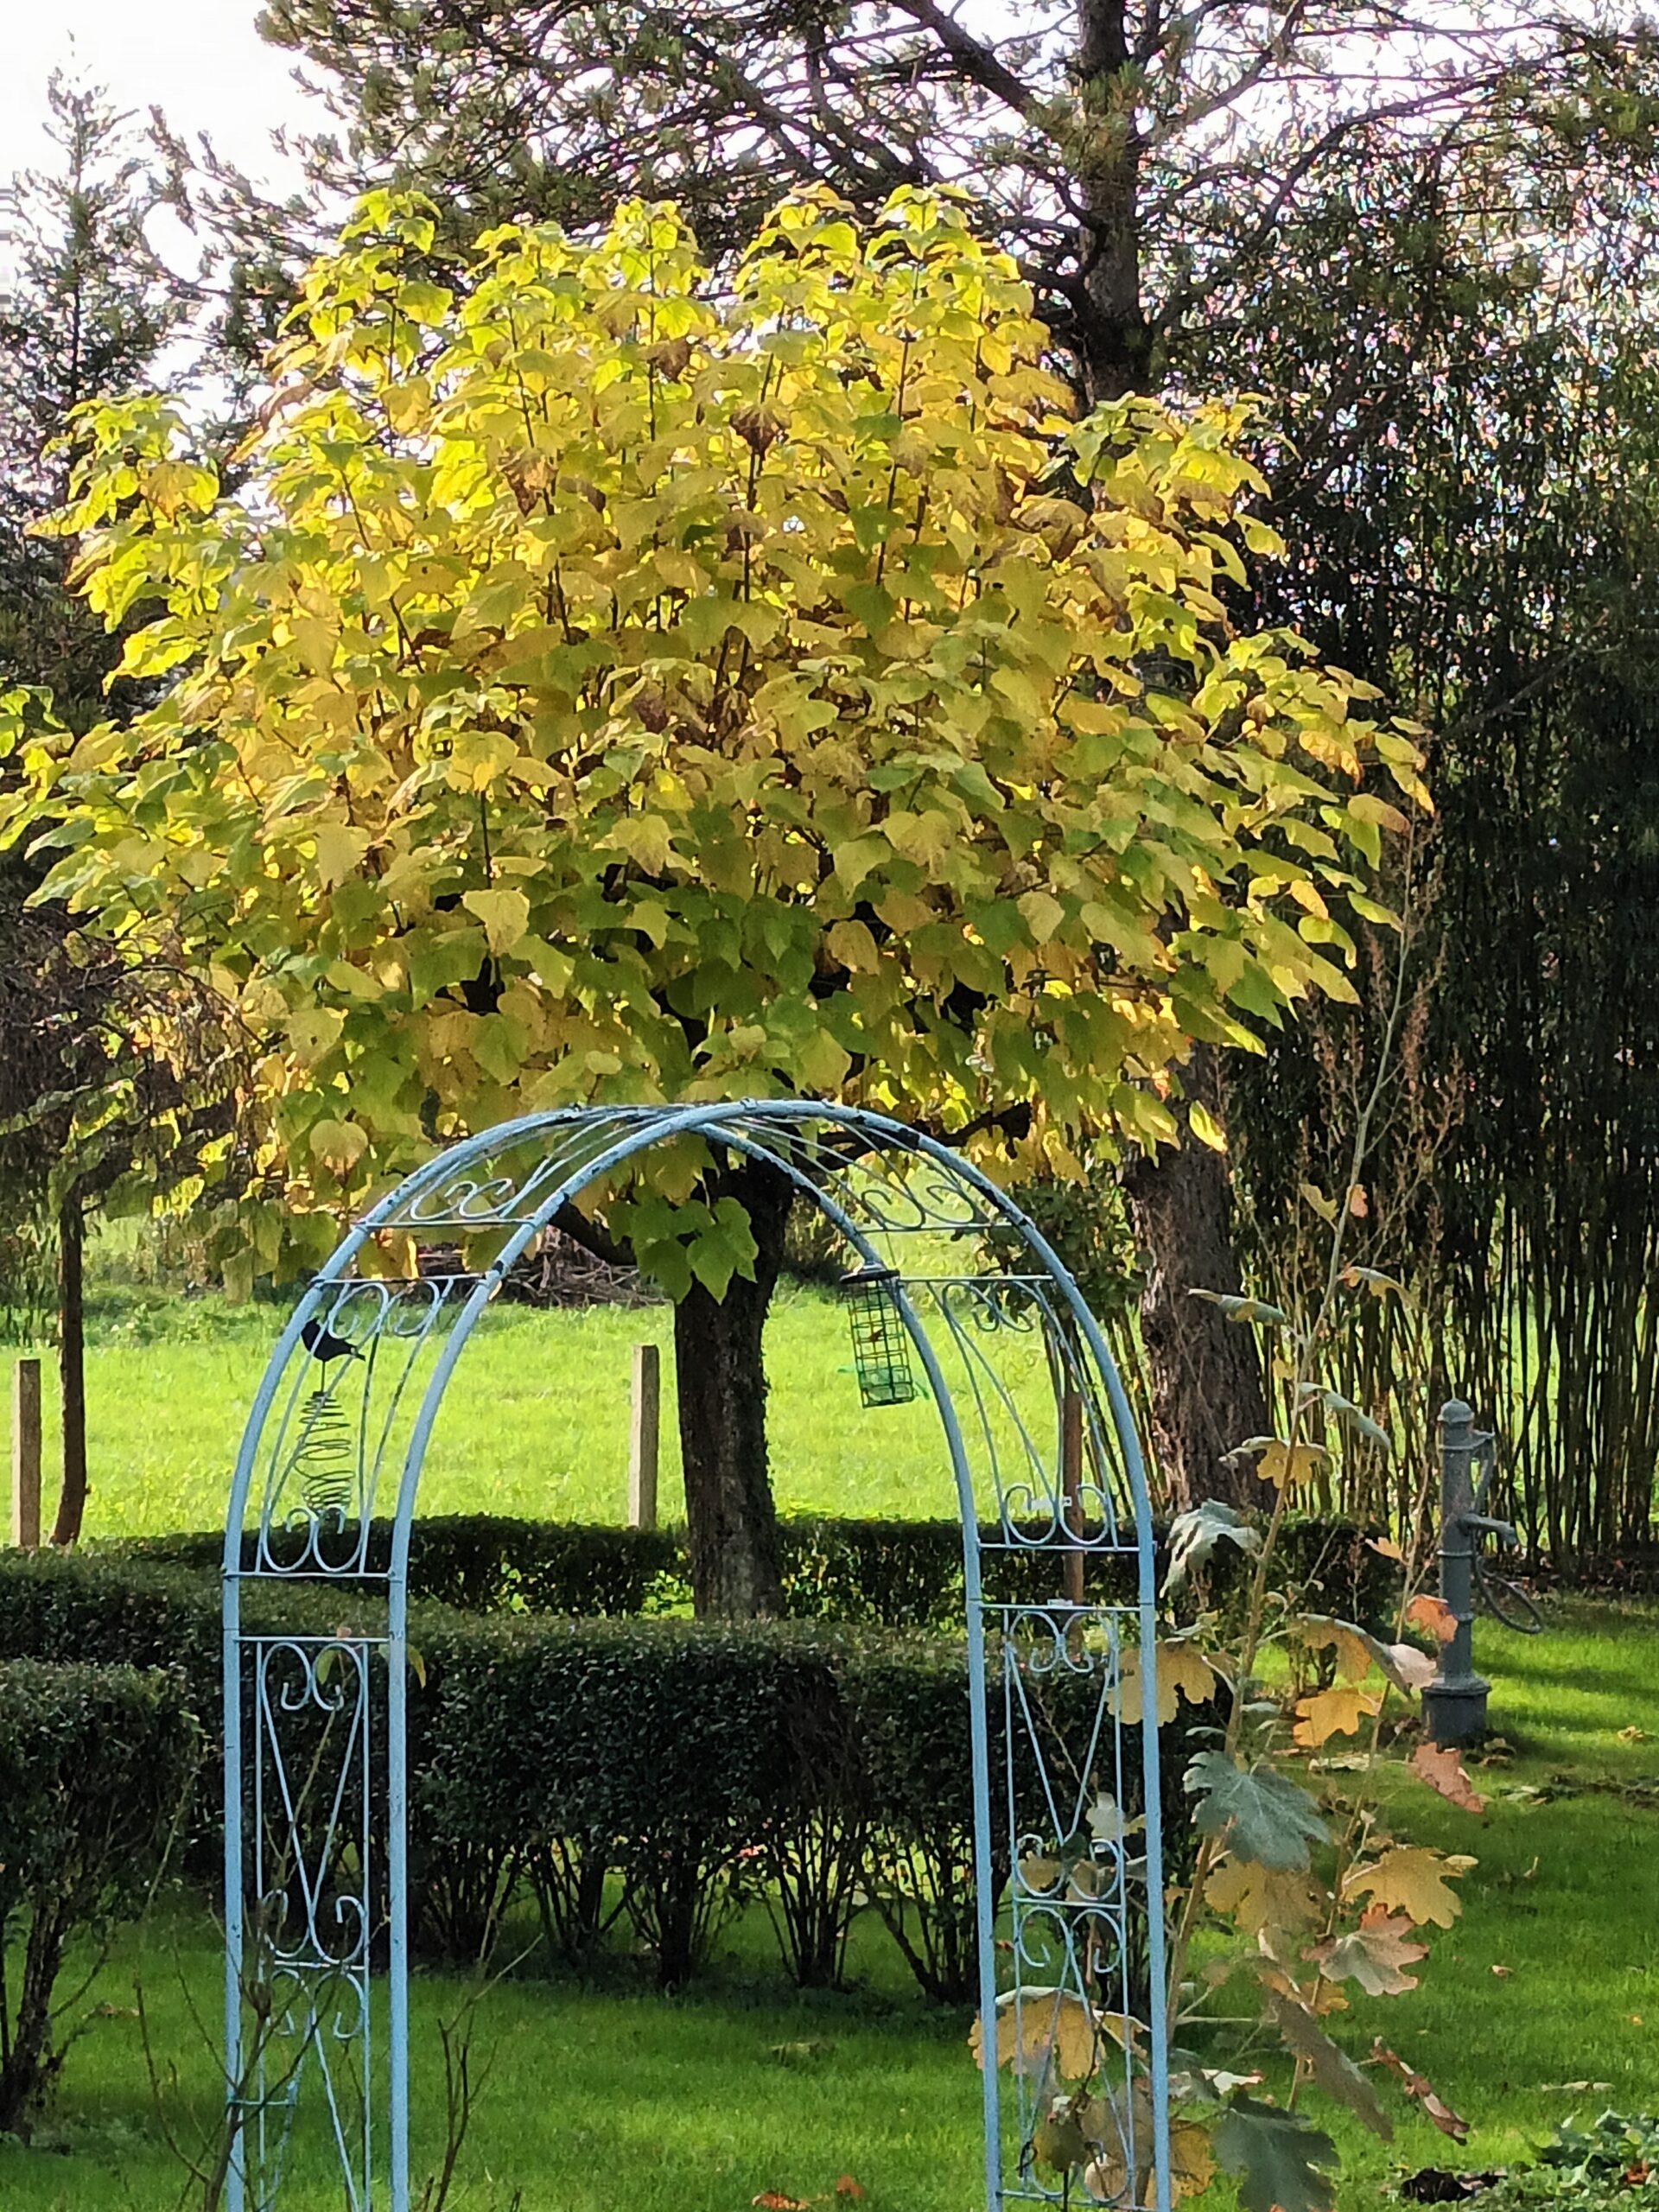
x,y
598,685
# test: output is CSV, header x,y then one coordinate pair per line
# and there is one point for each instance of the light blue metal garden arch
x,y
316,1878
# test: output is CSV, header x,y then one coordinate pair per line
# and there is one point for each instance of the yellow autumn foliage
x,y
600,683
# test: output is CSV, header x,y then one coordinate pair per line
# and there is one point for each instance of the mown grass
x,y
535,1422
614,2096
1543,1997
591,2099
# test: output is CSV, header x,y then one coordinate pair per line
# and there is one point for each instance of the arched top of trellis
x,y
1045,1463
881,1183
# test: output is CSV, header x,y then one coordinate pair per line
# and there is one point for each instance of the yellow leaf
x,y
479,758
924,838
408,405
506,916
1338,1711
1208,1131
1043,916
1279,1465
645,838
339,847
1258,1897
1190,2158
1412,1880
851,944
1178,1667
391,1255
177,485
317,642
1312,1195
823,1063
1042,2031
1356,1654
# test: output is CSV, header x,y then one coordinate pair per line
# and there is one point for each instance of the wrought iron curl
x,y
874,1179
1043,1640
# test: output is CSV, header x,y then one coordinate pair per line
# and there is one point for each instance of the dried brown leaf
x,y
1434,1614
1439,1766
1417,2086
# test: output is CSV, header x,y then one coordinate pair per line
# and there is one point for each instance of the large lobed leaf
x,y
1256,1813
1281,2164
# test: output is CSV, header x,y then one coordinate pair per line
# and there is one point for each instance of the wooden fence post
x,y
26,1454
643,1437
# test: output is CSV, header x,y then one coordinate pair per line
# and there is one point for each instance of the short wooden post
x,y
642,1437
26,1454
1072,1489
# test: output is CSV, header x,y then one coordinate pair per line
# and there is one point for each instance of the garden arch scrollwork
x,y
316,1715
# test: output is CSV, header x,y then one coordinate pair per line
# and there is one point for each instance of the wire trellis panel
x,y
1036,1435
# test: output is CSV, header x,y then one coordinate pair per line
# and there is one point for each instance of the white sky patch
x,y
200,61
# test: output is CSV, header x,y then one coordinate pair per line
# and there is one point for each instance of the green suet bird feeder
x,y
880,1340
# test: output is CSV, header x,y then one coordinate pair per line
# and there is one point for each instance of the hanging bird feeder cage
x,y
880,1340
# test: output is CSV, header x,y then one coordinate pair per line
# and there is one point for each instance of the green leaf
x,y
505,914
1373,1280
1330,2065
1204,1127
1349,1415
1281,2164
1262,1817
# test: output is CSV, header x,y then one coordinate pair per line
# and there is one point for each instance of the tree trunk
x,y
731,1523
72,1371
1207,1394
1206,1379
30,2063
1111,334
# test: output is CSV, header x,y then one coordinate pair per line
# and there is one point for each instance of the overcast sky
x,y
201,61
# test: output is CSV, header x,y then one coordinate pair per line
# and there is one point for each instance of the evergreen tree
x,y
86,307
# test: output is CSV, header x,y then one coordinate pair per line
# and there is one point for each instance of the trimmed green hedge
x,y
96,1768
479,1562
659,1770
892,1573
650,1771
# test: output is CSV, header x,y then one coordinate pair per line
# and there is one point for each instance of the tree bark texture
x,y
29,2064
731,1521
1206,1374
1112,335
72,1370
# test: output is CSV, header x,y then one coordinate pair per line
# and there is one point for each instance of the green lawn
x,y
536,1421
617,2097
592,2100
1565,1899
621,2098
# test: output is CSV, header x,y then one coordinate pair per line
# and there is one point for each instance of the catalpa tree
x,y
604,685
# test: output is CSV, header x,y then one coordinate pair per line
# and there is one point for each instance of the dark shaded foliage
x,y
97,1764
